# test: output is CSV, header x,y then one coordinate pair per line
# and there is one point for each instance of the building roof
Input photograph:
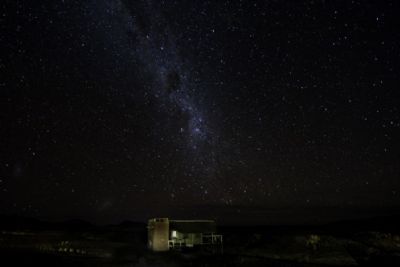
x,y
193,226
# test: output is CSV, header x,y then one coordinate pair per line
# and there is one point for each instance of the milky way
x,y
122,109
152,44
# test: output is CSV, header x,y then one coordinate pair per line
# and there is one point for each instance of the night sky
x,y
115,110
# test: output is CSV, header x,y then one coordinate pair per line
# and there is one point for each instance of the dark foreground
x,y
75,243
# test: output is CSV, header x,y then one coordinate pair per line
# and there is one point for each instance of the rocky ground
x,y
80,244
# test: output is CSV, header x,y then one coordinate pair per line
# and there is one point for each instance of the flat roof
x,y
211,221
193,226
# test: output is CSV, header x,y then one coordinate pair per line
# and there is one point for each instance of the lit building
x,y
165,234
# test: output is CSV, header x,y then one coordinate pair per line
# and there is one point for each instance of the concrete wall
x,y
158,234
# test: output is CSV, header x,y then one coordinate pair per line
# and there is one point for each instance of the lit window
x,y
173,234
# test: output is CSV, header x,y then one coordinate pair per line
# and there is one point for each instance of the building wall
x,y
187,233
193,239
189,239
197,239
158,234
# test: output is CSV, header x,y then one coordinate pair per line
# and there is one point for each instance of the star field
x,y
114,110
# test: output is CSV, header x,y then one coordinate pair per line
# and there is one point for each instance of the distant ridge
x,y
14,222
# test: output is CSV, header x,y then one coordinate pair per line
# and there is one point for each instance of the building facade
x,y
165,234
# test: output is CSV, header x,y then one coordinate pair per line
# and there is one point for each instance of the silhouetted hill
x,y
130,224
13,222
